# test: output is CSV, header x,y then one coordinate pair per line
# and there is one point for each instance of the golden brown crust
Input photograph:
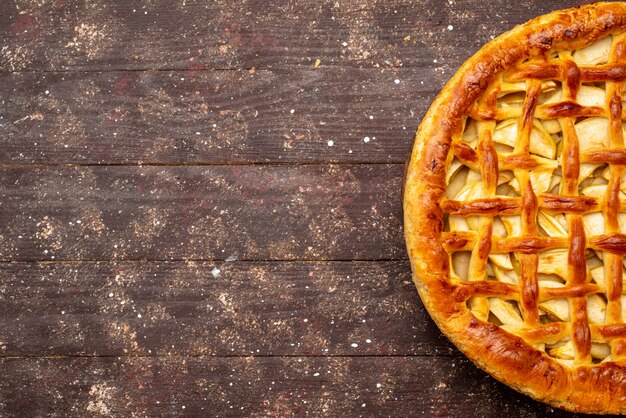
x,y
597,388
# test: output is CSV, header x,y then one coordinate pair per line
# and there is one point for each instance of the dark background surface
x,y
179,237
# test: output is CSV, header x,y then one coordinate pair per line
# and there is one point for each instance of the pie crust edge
x,y
600,388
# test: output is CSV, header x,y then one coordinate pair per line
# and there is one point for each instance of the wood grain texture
x,y
199,131
184,34
258,386
225,309
191,117
254,212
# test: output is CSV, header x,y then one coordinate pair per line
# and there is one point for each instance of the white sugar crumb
x,y
354,345
216,272
292,111
344,43
435,60
450,27
111,294
139,315
371,117
366,139
306,320
331,143
378,385
197,133
368,341
316,374
363,405
349,151
47,91
396,81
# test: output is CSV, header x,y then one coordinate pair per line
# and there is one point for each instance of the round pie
x,y
515,208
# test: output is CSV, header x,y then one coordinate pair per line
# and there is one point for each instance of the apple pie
x,y
515,208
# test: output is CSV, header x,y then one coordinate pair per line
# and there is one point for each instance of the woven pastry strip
x,y
613,263
486,160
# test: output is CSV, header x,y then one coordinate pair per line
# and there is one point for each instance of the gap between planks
x,y
234,356
203,164
202,260
147,69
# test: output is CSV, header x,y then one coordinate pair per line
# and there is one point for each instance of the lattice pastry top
x,y
515,208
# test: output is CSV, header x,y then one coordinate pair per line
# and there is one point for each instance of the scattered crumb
x,y
100,398
88,38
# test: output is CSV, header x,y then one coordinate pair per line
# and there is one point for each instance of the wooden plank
x,y
231,308
261,386
212,117
118,34
253,212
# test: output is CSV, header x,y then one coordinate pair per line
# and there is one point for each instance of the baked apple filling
x,y
532,175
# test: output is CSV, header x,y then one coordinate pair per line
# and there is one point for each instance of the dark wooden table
x,y
200,207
